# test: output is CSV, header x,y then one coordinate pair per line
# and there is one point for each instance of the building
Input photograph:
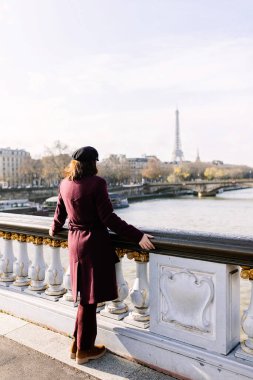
x,y
11,163
128,170
137,164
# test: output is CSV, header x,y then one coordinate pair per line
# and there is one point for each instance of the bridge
x,y
202,188
183,318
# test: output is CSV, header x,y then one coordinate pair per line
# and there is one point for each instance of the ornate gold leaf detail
x,y
14,236
120,252
7,235
30,239
1,234
138,256
247,273
251,274
22,238
38,240
56,243
47,241
52,242
64,244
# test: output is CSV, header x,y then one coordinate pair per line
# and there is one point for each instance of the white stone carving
x,y
7,261
187,299
54,274
139,295
247,325
37,269
118,309
21,266
68,296
198,305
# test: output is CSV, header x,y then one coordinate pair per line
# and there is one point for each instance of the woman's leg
x,y
86,326
86,320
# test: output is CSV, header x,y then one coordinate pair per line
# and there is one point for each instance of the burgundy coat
x,y
88,208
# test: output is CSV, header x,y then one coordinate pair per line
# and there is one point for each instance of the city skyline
x,y
111,75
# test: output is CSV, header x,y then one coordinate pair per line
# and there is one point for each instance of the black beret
x,y
87,153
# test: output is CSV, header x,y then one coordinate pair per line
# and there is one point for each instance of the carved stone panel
x,y
194,301
186,299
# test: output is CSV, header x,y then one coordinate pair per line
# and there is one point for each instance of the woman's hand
x,y
145,243
50,232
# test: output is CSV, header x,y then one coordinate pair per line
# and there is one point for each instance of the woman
x,y
83,198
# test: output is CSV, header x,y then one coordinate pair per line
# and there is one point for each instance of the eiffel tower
x,y
178,154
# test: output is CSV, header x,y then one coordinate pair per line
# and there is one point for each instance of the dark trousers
x,y
86,326
86,321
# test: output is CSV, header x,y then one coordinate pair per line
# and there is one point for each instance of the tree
x,y
115,169
54,162
154,169
30,171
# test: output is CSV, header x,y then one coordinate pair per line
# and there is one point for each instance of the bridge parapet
x,y
183,318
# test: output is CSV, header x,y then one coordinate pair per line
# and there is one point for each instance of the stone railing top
x,y
194,245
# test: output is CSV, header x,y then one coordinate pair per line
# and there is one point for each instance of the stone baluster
x,y
246,351
21,266
68,296
37,268
139,293
118,309
55,271
7,260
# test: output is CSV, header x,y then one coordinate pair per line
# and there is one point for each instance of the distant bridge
x,y
202,188
211,188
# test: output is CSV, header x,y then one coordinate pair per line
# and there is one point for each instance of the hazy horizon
x,y
111,74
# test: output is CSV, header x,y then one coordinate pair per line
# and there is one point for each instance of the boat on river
x,y
118,201
21,206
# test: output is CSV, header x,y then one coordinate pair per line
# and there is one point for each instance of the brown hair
x,y
80,169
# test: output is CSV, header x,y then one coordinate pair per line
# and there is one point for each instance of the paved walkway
x,y
20,362
27,350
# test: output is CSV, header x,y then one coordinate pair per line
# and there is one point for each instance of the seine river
x,y
230,212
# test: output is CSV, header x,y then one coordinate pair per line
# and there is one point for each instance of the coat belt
x,y
83,227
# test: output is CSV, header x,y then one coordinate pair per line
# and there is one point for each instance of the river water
x,y
230,212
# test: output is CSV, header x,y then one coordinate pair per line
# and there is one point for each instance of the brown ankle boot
x,y
73,349
83,356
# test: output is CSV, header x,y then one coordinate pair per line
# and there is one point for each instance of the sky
x,y
111,73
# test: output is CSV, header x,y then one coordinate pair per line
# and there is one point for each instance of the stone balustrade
x,y
180,315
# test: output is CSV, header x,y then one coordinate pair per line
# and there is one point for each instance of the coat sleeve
x,y
60,215
110,219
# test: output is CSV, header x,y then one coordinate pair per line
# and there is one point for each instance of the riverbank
x,y
169,194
